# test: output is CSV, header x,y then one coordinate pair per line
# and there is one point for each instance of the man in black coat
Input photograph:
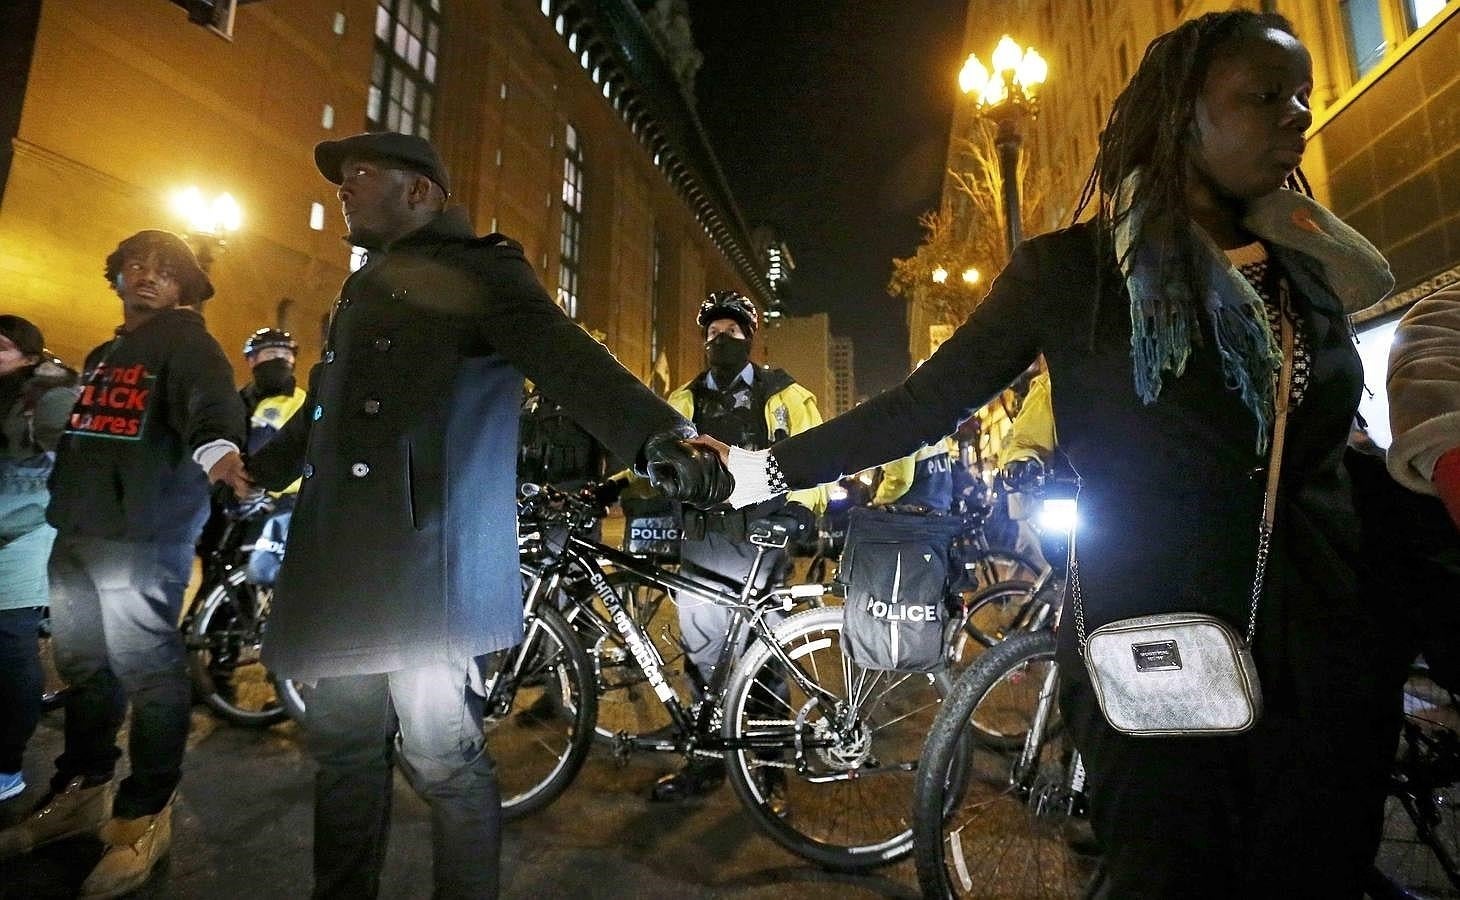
x,y
402,565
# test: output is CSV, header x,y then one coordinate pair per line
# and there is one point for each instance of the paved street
x,y
244,821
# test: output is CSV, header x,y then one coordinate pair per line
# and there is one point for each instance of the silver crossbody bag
x,y
1185,674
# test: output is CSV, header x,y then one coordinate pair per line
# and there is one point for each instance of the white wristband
x,y
752,479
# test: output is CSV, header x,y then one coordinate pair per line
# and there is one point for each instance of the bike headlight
x,y
1057,515
837,493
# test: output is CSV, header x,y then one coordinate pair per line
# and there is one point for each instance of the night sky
x,y
830,119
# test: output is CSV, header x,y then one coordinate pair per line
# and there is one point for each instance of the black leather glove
x,y
1021,474
683,472
606,493
802,519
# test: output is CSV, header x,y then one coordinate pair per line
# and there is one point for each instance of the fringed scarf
x,y
1166,319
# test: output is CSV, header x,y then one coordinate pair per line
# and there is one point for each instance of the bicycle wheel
x,y
838,797
989,615
1419,854
539,713
990,567
223,659
985,825
626,702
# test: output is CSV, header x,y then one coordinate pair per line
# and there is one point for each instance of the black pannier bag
x,y
651,528
895,570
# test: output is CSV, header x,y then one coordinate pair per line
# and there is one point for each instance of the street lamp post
x,y
209,222
1006,97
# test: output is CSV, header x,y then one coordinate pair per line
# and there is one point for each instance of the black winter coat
x,y
402,550
1172,491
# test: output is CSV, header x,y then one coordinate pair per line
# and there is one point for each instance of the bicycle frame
x,y
692,729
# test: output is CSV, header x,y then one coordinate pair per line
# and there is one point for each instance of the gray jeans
x,y
114,625
702,624
351,728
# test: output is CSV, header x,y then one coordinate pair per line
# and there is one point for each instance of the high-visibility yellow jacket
x,y
791,410
268,417
1033,434
899,476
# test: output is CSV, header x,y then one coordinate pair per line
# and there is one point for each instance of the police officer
x,y
748,406
921,482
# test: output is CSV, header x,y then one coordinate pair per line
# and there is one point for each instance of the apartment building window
x,y
403,74
655,297
570,249
1421,11
1363,22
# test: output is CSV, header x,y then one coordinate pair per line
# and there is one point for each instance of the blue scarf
x,y
1165,319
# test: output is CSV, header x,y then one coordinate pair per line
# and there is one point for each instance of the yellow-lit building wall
x,y
128,102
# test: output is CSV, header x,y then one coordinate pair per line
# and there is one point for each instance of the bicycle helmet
x,y
729,305
269,337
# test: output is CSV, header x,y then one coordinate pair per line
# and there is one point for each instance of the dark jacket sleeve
x,y
52,413
277,463
523,324
987,352
202,403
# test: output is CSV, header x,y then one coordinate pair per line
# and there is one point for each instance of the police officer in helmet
x,y
748,406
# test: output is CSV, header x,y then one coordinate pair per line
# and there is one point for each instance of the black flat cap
x,y
405,150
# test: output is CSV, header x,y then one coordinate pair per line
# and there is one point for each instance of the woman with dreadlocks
x,y
1160,319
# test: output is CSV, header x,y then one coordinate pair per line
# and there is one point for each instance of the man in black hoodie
x,y
157,419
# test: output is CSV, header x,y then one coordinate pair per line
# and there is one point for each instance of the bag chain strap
x,y
1269,500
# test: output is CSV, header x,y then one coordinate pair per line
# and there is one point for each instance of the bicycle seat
x,y
771,532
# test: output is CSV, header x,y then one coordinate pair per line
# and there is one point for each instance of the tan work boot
x,y
133,848
76,810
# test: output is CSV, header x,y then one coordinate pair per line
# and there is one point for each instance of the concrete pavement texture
x,y
242,830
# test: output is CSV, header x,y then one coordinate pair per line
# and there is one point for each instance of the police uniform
x,y
762,405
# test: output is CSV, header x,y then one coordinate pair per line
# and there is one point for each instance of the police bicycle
x,y
1000,803
223,631
821,753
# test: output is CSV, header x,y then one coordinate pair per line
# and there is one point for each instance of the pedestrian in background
x,y
1159,318
35,400
156,419
1424,399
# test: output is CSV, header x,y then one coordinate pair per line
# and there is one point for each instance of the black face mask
x,y
727,357
274,377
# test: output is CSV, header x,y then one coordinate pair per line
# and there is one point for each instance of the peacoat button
x,y
318,412
382,344
308,470
399,294
344,302
329,356
372,407
360,470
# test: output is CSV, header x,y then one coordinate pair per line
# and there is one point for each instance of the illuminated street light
x,y
970,275
209,222
940,275
1006,97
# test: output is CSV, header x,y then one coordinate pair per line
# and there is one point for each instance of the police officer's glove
x,y
1022,474
606,493
682,472
802,521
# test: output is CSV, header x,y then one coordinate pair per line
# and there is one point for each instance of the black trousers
x,y
351,727
1293,808
21,683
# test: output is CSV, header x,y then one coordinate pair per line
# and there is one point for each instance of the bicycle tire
x,y
995,565
961,779
869,822
224,663
1419,852
989,615
555,686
